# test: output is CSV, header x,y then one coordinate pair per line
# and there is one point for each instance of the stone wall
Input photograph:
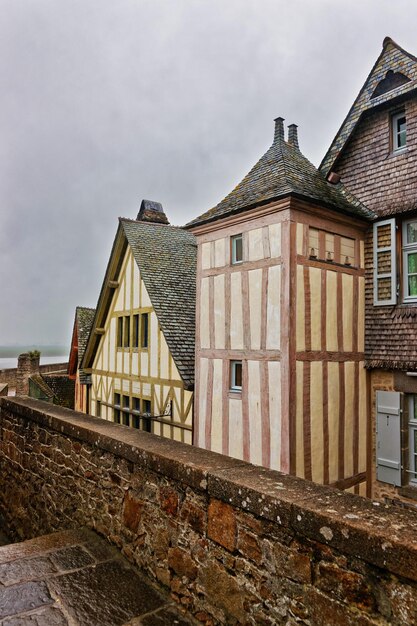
x,y
235,543
10,375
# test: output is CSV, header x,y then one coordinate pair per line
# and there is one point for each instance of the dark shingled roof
x,y
284,170
166,257
393,58
84,318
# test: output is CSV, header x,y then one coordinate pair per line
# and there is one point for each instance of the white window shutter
x,y
385,271
388,437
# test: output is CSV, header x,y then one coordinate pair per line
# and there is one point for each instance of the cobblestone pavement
x,y
74,578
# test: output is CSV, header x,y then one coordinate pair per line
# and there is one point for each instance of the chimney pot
x,y
279,131
293,135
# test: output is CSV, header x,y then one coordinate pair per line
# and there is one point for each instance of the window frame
x,y
395,134
392,275
233,257
406,250
116,407
412,448
233,386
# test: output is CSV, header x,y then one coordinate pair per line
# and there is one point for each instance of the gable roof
x,y
83,323
284,170
166,257
393,75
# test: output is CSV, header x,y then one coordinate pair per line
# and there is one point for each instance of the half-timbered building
x,y
140,353
280,377
375,156
83,323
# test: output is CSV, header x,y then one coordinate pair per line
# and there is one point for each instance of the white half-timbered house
x,y
140,353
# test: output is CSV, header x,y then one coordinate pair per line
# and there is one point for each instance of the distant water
x,y
8,363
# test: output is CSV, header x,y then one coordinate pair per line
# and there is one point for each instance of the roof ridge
x,y
329,158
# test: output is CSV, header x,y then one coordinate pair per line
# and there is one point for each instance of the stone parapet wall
x,y
10,375
235,543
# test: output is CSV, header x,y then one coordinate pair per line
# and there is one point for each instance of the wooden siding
x,y
147,373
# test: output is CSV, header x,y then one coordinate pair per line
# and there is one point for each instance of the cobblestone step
x,y
75,578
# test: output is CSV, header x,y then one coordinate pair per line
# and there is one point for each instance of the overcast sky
x,y
106,102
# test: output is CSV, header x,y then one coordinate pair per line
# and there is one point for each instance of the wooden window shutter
x,y
388,437
385,272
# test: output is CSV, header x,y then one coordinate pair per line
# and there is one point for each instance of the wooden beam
x,y
112,284
99,331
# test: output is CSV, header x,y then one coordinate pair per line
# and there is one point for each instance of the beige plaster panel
x,y
255,245
274,376
347,309
316,420
300,315
300,239
204,314
299,433
217,409
331,312
255,416
220,252
219,312
273,321
235,428
333,416
236,317
202,402
255,301
350,391
275,239
316,313
206,255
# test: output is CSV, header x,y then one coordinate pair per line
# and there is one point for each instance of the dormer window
x,y
399,131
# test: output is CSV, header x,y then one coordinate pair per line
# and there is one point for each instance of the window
x,y
133,331
126,410
399,131
410,259
116,408
236,375
135,343
142,411
237,249
144,330
385,279
120,332
98,408
126,331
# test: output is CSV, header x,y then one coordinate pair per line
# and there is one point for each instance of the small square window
x,y
236,375
399,131
237,249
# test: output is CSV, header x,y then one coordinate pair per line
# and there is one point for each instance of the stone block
x,y
221,525
183,565
132,511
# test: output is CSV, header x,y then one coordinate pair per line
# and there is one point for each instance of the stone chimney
x,y
279,131
27,366
293,136
151,211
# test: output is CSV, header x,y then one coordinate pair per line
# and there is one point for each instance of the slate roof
x,y
393,58
284,170
166,257
84,317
